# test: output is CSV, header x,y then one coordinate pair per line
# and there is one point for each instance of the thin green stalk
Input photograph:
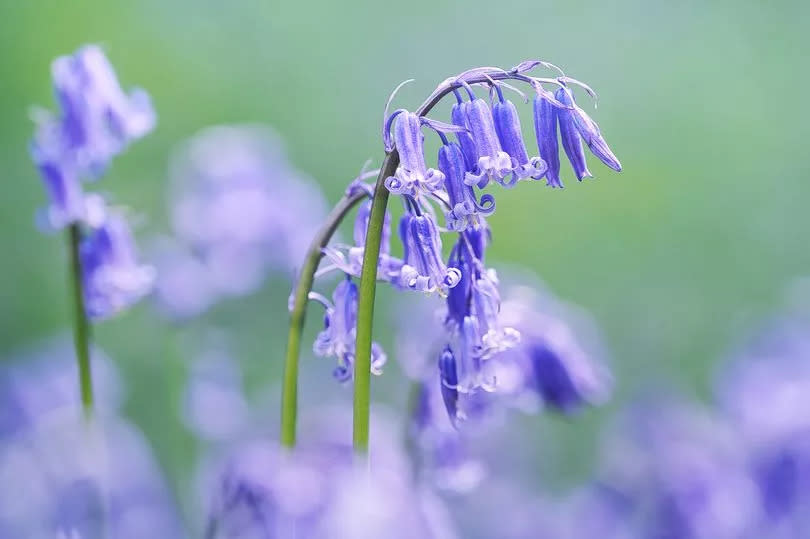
x,y
289,391
81,325
365,306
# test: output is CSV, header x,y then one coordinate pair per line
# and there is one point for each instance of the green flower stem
x,y
365,306
81,326
289,392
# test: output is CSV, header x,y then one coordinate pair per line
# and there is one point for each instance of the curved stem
x,y
289,392
81,326
365,306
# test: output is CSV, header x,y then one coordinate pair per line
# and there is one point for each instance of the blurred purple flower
x,y
765,392
75,477
558,358
687,472
113,279
96,121
238,210
41,380
317,491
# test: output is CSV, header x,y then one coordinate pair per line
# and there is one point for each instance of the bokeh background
x,y
676,257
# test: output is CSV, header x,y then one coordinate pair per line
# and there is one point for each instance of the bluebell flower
x,y
97,119
571,141
424,268
493,163
340,332
486,305
349,258
458,117
112,277
588,129
507,126
545,128
465,209
412,176
458,298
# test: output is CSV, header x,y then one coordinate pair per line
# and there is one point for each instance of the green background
x,y
704,102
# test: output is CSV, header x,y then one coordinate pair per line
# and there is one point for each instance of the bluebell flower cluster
x,y
489,148
95,122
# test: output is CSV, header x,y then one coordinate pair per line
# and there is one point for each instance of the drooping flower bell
x,y
507,126
545,128
458,117
424,268
112,277
412,177
486,303
493,163
571,141
588,129
340,332
464,208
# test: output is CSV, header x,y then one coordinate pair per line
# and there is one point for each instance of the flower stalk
x,y
289,392
365,306
81,325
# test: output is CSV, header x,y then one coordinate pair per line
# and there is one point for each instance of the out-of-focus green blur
x,y
698,238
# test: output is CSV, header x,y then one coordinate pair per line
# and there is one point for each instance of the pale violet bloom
x,y
112,277
588,130
571,141
412,176
424,269
545,128
493,163
340,332
507,126
465,209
